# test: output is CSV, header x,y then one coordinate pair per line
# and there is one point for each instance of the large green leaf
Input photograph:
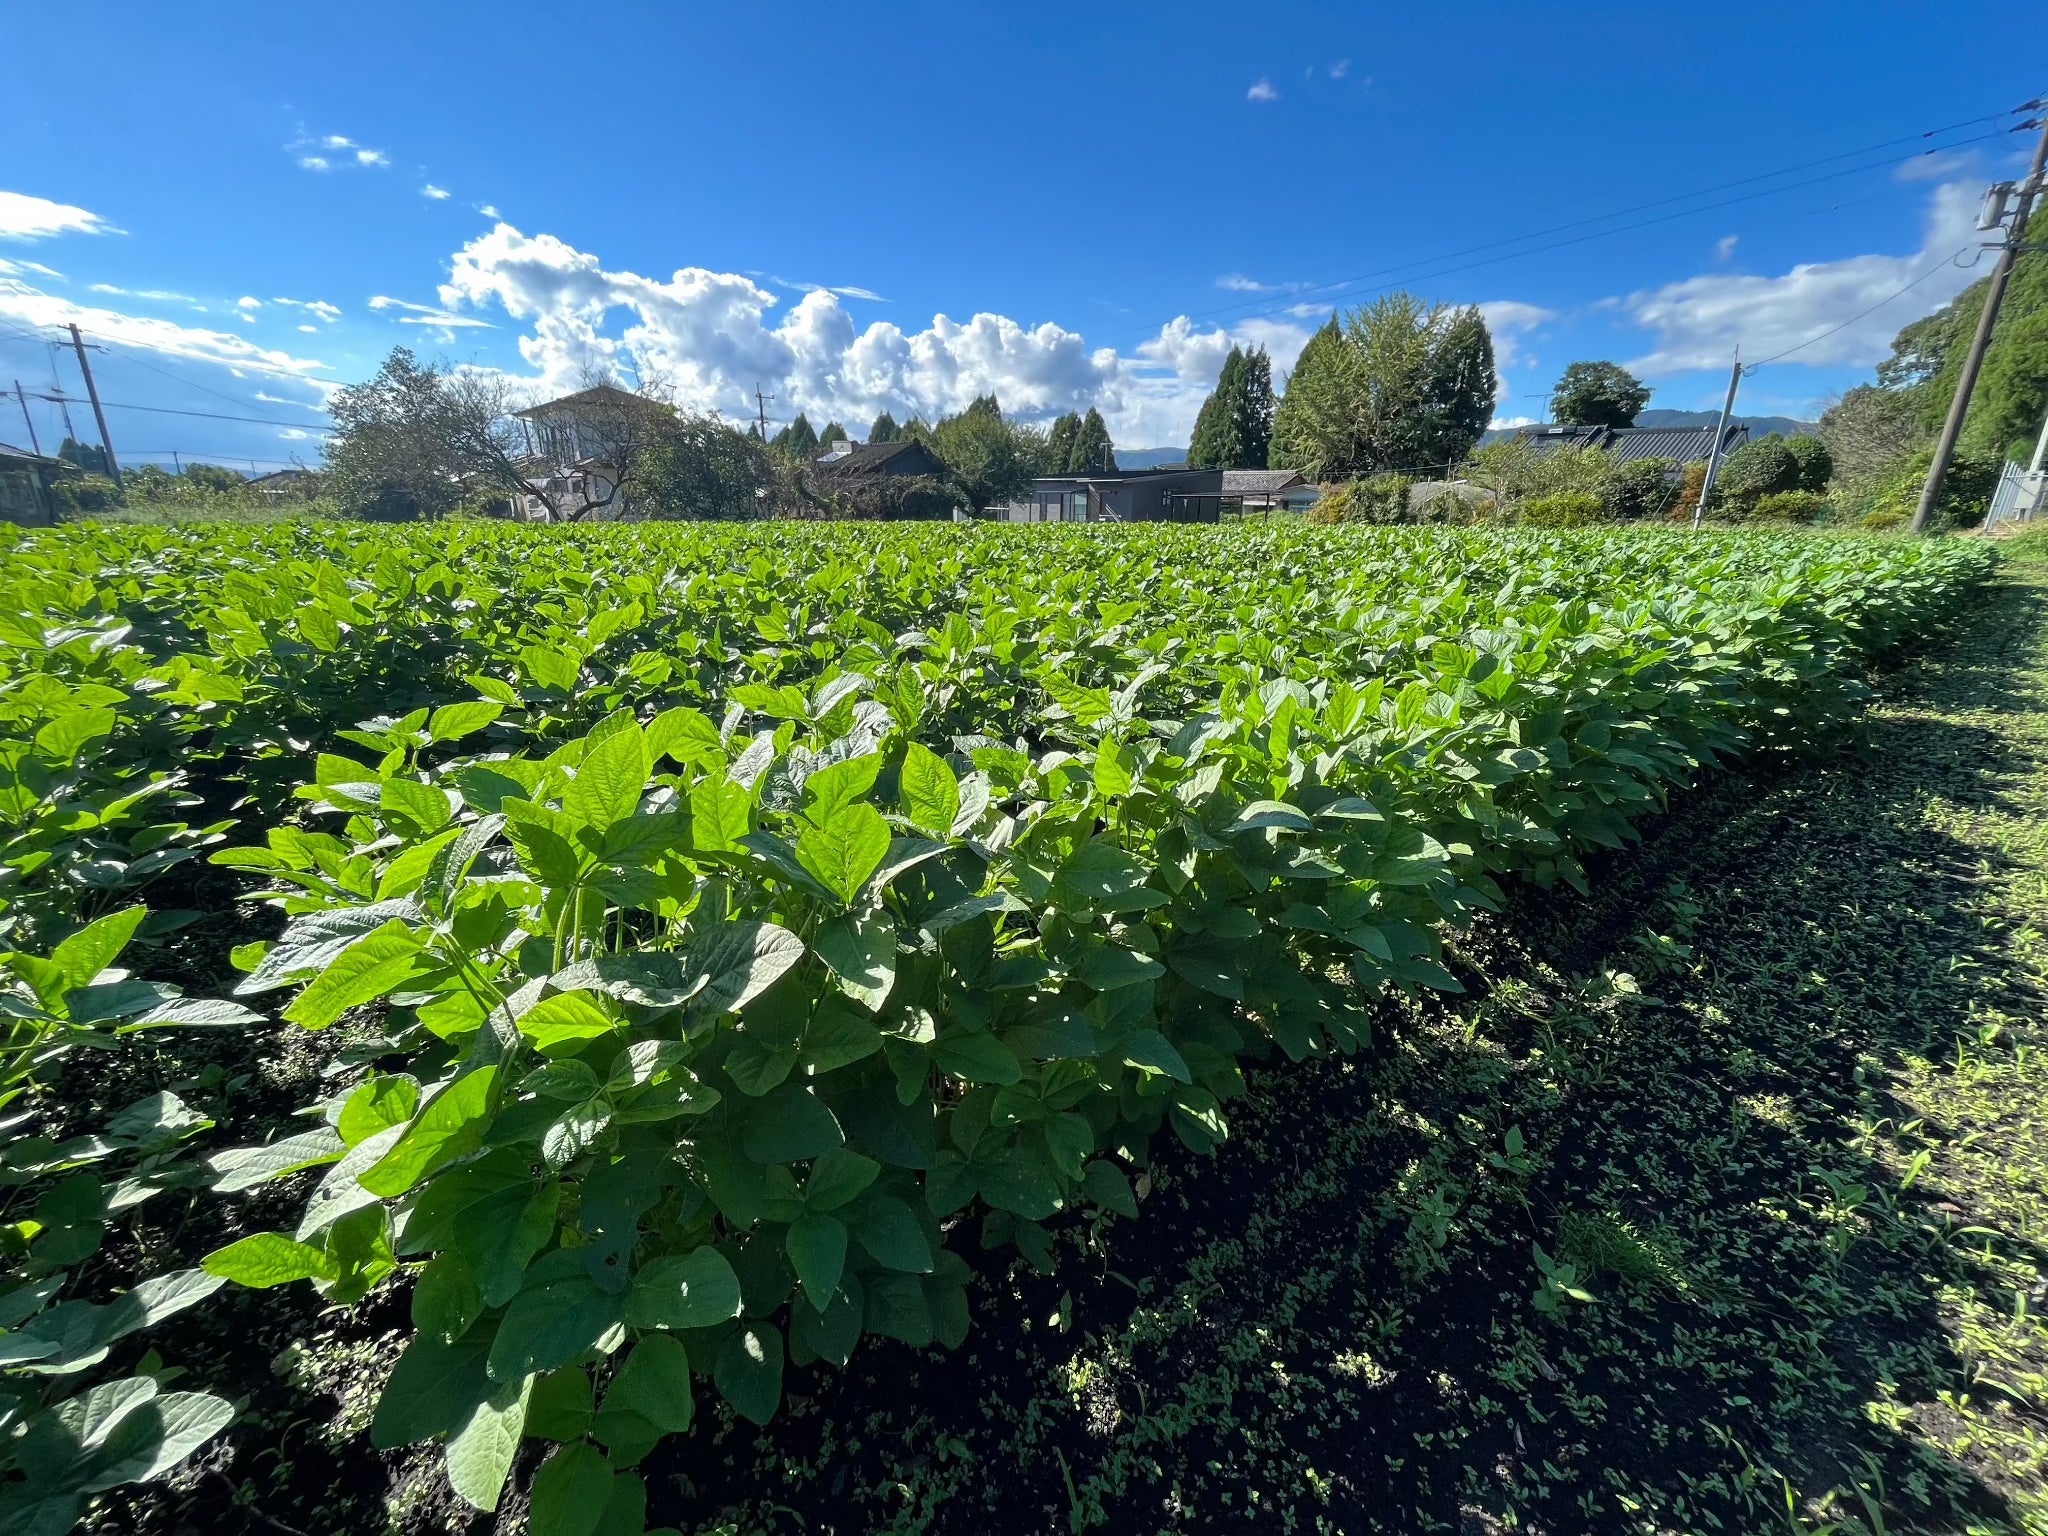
x,y
697,1289
845,850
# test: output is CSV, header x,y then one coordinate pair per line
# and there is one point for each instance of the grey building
x,y
1174,495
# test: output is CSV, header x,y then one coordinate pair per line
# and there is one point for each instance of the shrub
x,y
1690,482
1816,463
1568,510
1792,507
1965,493
83,495
1376,499
1640,488
1755,470
1878,522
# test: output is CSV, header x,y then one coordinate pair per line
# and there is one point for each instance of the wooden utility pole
x,y
1973,361
29,421
1720,436
761,407
93,394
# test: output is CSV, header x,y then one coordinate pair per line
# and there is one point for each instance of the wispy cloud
x,y
1724,248
324,152
488,210
432,315
23,217
1262,90
319,308
860,293
438,194
1340,69
248,303
167,338
153,295
1237,282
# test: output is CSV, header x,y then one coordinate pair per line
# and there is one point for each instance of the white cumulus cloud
x,y
437,194
1509,320
716,335
1262,90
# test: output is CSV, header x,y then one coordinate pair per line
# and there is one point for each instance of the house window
x,y
1077,507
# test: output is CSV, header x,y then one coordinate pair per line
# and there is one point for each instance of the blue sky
x,y
903,206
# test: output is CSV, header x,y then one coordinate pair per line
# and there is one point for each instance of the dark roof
x,y
597,394
8,451
905,456
1685,444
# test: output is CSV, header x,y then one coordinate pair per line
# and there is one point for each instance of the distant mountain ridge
x,y
1149,458
1759,426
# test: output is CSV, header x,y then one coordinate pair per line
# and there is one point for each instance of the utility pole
x,y
92,392
1720,436
177,468
761,407
37,448
2001,274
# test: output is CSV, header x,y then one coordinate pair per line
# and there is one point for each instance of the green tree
x,y
884,430
798,440
1059,443
394,453
706,470
833,433
1234,429
2011,396
1869,432
990,460
1598,395
1093,453
1398,385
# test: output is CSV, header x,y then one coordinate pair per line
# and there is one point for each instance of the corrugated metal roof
x,y
1684,444
1258,482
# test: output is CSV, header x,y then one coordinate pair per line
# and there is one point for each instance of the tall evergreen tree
x,y
1059,444
833,433
1235,427
1251,411
1093,453
1215,444
799,440
984,405
884,430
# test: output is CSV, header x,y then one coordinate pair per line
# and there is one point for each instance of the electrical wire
x,y
1412,272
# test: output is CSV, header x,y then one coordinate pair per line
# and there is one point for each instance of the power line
x,y
165,410
1410,268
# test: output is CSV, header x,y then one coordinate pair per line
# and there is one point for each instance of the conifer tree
x,y
1059,444
884,430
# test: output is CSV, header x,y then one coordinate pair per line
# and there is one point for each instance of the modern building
x,y
1176,495
582,447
